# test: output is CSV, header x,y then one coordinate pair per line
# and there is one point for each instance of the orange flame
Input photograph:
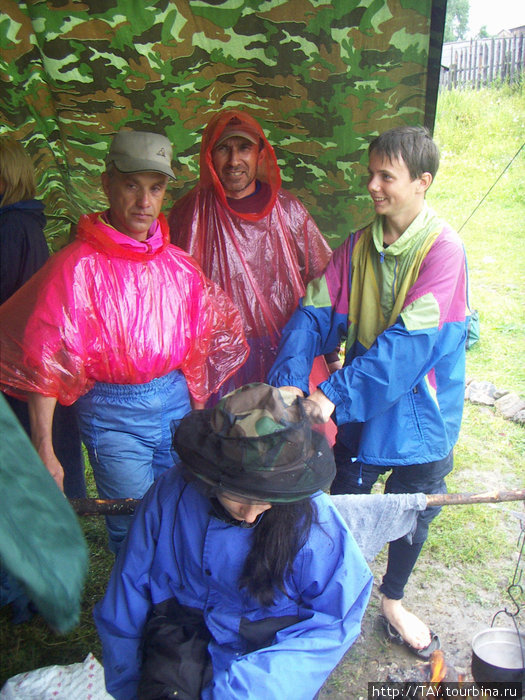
x,y
438,668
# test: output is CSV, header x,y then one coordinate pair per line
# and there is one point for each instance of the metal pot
x,y
498,656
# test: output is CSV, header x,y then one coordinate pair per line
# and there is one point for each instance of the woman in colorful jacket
x,y
238,579
396,291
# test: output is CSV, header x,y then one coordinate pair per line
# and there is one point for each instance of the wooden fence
x,y
482,62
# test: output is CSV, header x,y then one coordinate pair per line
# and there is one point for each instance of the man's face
x,y
235,161
135,200
394,193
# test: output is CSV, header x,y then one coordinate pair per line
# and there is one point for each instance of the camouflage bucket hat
x,y
257,442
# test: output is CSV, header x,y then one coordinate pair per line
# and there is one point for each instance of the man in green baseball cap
x,y
238,573
124,324
141,152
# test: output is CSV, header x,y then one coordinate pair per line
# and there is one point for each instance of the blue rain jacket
x,y
177,547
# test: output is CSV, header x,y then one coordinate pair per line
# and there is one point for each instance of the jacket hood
x,y
30,206
268,170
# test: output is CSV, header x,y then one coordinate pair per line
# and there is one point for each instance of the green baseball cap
x,y
257,442
139,152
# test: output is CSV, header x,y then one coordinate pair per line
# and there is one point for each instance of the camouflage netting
x,y
321,78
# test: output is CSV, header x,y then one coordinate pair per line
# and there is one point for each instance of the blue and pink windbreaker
x,y
402,311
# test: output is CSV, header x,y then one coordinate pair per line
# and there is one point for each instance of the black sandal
x,y
396,637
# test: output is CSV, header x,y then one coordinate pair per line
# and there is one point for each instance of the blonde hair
x,y
16,172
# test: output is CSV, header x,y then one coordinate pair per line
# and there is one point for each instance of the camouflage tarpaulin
x,y
321,78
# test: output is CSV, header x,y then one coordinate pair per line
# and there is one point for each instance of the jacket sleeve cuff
x,y
342,406
278,379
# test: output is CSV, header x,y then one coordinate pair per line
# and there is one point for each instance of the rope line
x,y
492,186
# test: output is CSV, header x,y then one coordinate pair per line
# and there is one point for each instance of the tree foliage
x,y
456,21
483,33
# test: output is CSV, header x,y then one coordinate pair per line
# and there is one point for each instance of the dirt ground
x,y
443,604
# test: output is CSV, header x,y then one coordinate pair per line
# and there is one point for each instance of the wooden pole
x,y
104,506
459,499
127,506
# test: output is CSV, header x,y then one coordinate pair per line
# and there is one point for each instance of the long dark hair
x,y
277,539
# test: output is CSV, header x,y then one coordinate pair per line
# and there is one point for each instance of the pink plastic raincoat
x,y
102,311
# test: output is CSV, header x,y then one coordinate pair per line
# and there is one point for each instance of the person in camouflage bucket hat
x,y
257,442
238,573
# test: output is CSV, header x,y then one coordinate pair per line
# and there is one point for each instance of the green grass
x,y
32,644
478,134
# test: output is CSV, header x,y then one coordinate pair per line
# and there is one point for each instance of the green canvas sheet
x,y
322,78
41,543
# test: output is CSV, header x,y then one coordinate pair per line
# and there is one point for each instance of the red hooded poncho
x,y
262,260
99,311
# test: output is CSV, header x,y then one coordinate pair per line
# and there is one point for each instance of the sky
x,y
496,15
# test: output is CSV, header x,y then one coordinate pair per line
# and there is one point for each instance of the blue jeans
x,y
127,430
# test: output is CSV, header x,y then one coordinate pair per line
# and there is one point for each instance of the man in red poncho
x,y
250,236
126,325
